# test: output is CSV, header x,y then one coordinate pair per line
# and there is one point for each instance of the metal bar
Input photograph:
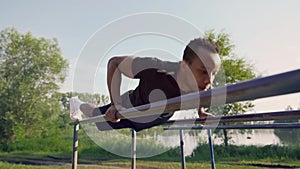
x,y
182,149
75,147
133,149
280,84
280,115
250,126
211,149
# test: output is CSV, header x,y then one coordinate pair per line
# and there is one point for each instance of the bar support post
x,y
182,149
211,149
133,149
75,146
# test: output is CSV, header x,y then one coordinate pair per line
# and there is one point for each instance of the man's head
x,y
200,64
191,50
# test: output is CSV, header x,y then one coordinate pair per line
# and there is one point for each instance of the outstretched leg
x,y
78,107
89,109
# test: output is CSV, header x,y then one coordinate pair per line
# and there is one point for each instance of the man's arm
x,y
203,114
116,67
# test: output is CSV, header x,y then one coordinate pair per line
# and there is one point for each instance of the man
x,y
158,80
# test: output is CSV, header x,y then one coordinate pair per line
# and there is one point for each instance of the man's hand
x,y
204,115
111,113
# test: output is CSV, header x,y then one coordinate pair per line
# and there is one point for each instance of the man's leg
x,y
88,109
103,126
77,107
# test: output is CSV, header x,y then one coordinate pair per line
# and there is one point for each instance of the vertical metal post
x,y
133,149
182,149
211,149
75,146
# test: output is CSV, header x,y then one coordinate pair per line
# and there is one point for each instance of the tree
x,y
235,69
31,70
97,99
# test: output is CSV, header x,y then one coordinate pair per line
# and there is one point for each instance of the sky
x,y
266,33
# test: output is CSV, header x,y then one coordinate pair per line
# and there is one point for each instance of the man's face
x,y
203,70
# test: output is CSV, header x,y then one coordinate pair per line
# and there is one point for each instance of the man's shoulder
x,y
155,63
145,64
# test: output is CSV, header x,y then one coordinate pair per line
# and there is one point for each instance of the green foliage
x,y
247,153
59,143
54,134
234,69
97,99
31,69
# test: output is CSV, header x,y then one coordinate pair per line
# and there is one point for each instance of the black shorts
x,y
137,124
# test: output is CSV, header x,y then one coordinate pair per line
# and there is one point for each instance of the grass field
x,y
57,155
50,162
140,165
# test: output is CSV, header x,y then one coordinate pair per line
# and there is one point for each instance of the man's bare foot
x,y
75,113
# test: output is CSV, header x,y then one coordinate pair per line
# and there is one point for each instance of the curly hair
x,y
190,50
